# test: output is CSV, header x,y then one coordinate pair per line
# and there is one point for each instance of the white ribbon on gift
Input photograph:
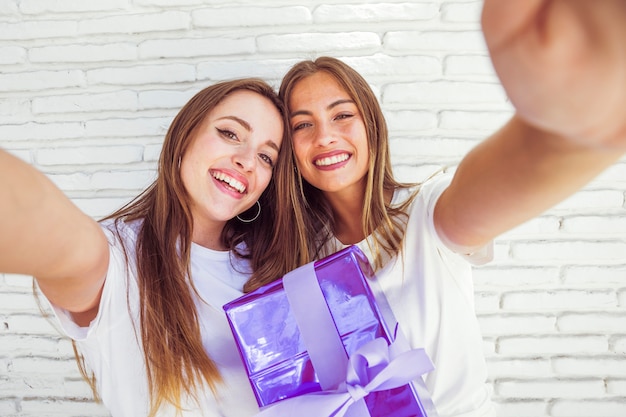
x,y
317,326
375,366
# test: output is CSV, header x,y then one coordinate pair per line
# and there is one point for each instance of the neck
x,y
348,216
209,236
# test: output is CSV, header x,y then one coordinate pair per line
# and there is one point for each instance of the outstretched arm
x,y
48,237
563,66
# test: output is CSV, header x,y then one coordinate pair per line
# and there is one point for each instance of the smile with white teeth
x,y
237,185
331,160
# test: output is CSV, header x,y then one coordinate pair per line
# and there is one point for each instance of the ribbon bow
x,y
375,366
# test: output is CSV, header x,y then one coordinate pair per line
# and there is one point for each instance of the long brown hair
x,y
176,362
388,222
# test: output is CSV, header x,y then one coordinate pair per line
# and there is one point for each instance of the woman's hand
x,y
563,65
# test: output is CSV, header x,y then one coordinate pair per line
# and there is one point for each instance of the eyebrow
x,y
242,122
329,107
272,145
247,126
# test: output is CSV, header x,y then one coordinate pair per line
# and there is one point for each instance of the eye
x,y
344,116
228,134
302,125
267,159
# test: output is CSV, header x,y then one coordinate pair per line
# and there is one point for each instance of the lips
x,y
330,160
229,181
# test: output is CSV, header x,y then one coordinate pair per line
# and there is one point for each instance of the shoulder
x,y
122,237
119,231
421,218
421,199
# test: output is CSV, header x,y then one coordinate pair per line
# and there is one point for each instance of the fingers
x,y
562,64
504,20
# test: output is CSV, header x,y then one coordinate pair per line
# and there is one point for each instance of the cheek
x,y
299,150
263,180
359,136
186,174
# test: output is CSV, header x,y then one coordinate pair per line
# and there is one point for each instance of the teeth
x,y
237,185
332,160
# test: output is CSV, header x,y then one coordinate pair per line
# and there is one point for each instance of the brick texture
x,y
88,89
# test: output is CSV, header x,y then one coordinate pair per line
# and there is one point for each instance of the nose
x,y
244,158
324,135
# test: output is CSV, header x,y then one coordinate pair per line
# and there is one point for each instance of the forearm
x,y
511,177
45,235
33,217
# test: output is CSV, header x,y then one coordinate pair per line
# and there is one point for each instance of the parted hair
x,y
176,363
386,223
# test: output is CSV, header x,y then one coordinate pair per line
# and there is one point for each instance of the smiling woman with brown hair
x,y
564,67
141,292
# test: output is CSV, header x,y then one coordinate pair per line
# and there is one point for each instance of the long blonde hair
x,y
378,216
176,363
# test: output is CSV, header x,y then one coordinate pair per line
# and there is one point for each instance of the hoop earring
x,y
256,216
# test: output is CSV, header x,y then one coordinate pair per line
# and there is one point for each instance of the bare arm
x,y
45,235
563,65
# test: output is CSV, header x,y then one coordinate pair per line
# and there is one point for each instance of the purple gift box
x,y
274,351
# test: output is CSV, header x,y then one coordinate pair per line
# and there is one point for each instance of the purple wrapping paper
x,y
272,348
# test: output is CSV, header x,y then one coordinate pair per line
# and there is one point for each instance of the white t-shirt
x,y
431,294
112,351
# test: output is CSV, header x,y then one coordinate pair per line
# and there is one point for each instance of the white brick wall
x,y
88,88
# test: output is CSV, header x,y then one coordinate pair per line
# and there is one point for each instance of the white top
x,y
431,294
113,353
